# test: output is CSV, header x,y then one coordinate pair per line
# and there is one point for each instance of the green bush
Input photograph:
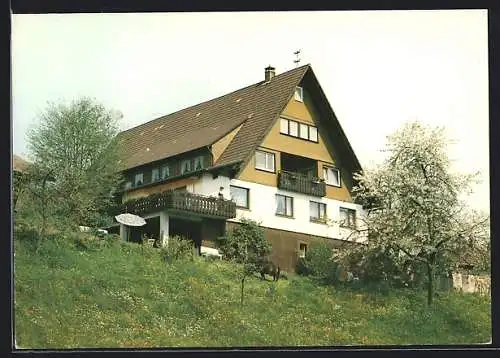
x,y
178,248
246,240
318,263
84,241
112,240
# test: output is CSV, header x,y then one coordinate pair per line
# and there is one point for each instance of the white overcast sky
x,y
377,68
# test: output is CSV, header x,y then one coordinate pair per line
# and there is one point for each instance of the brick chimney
x,y
269,73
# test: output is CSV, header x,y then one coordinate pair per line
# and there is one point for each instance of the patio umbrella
x,y
130,220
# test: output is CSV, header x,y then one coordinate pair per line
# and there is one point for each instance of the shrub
x,y
84,241
379,268
318,263
112,240
246,240
177,248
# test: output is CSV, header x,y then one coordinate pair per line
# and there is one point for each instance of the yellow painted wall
x,y
276,142
221,145
249,173
142,192
300,110
333,192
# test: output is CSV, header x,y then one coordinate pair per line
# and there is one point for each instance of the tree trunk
x,y
430,284
41,232
242,288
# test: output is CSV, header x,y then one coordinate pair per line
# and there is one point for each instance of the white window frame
x,y
231,187
299,94
137,180
183,166
287,124
348,224
165,169
319,205
287,198
157,170
327,178
290,128
267,161
284,125
198,160
302,252
301,127
316,129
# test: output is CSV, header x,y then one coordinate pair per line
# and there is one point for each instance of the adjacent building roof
x,y
257,107
19,164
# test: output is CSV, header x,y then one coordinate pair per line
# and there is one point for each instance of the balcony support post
x,y
164,228
124,232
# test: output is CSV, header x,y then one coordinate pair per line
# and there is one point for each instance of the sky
x,y
378,69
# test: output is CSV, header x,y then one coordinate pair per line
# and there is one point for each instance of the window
x,y
313,134
300,130
138,179
299,94
264,161
128,184
186,166
294,129
240,196
198,163
284,205
331,176
155,174
347,218
165,171
317,211
304,131
284,126
302,250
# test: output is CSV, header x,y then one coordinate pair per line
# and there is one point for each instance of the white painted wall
x,y
209,186
263,208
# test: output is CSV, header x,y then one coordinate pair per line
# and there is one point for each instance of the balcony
x,y
301,183
181,201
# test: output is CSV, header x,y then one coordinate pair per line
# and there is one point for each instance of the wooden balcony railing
x,y
301,183
181,201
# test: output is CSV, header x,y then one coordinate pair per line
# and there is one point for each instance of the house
x,y
273,152
19,176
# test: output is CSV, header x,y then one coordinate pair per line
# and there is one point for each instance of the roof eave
x,y
356,164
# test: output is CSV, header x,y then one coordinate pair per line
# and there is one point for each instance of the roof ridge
x,y
304,69
209,100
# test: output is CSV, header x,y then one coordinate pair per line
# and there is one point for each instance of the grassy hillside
x,y
123,295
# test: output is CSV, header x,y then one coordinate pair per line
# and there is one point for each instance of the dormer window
x,y
138,179
186,166
299,94
155,174
198,163
165,171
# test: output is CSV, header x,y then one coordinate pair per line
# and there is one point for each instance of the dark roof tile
x,y
257,106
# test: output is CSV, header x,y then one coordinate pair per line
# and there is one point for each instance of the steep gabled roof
x,y
336,135
257,106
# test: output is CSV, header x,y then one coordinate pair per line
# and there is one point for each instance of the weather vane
x,y
297,60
